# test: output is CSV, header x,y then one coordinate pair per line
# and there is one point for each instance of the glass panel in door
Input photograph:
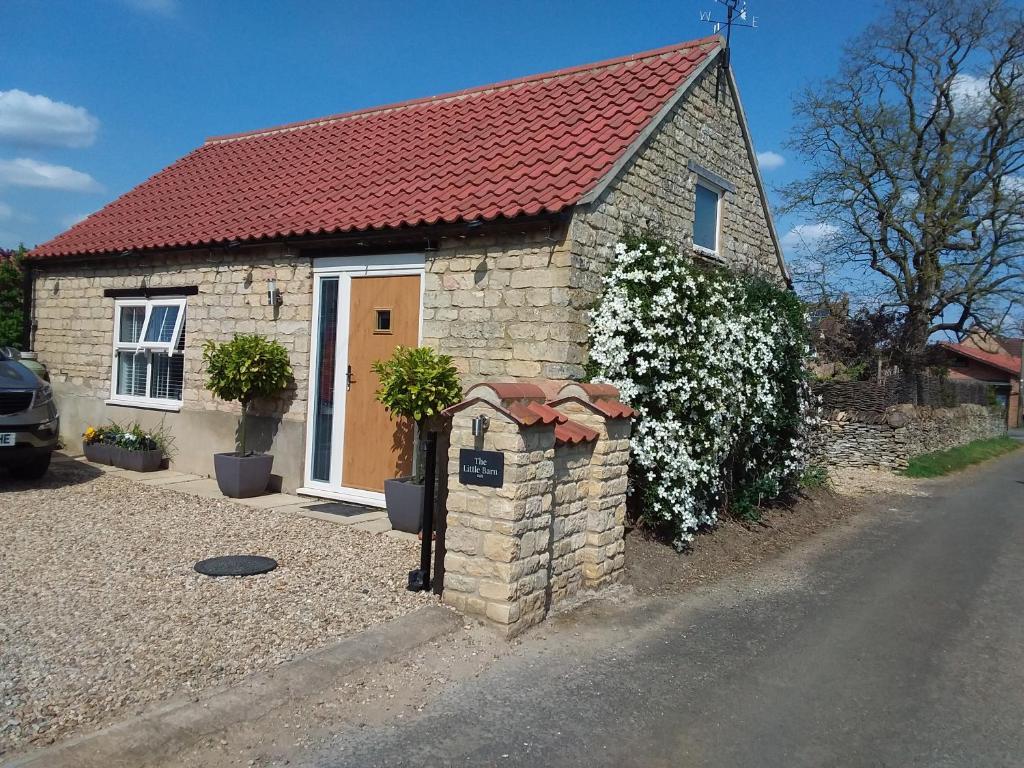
x,y
323,401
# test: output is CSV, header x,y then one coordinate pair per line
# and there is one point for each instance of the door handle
x,y
348,379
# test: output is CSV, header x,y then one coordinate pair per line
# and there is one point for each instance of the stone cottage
x,y
479,222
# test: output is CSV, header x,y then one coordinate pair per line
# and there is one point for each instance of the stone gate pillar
x,y
536,498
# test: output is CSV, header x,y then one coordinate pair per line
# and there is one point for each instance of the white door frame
x,y
345,268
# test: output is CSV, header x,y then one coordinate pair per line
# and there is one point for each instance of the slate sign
x,y
481,468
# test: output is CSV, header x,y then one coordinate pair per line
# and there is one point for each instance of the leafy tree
x,y
417,383
12,298
245,368
916,150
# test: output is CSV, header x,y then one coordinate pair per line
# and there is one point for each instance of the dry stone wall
x,y
888,440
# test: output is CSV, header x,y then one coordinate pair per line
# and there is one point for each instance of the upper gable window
x,y
709,198
707,219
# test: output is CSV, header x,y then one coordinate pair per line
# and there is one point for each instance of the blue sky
x,y
97,95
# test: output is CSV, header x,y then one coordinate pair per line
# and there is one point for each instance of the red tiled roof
x,y
521,147
1005,363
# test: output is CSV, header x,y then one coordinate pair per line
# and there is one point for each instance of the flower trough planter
x,y
97,453
139,461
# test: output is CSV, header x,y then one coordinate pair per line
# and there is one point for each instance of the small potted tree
x,y
243,369
415,383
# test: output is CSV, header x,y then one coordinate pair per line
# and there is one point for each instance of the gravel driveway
x,y
101,612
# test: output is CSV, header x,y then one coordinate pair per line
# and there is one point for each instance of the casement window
x,y
707,218
710,190
149,344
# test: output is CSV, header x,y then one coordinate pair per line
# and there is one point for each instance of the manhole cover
x,y
236,565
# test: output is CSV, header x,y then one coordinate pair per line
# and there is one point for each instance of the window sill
x,y
151,405
707,253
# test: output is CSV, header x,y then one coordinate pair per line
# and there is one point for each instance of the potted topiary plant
x,y
415,383
243,369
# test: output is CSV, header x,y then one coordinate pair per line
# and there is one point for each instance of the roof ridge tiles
x,y
452,96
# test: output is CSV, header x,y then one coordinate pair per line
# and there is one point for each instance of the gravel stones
x,y
103,613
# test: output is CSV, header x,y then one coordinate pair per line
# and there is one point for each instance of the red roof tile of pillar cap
x,y
464,404
518,412
611,409
592,390
536,413
573,433
614,409
551,387
515,390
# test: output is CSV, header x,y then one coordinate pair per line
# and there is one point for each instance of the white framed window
x,y
707,216
149,342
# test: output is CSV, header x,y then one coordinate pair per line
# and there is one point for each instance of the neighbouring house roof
x,y
522,147
1014,346
1005,363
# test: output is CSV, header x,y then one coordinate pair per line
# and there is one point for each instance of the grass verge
x,y
955,459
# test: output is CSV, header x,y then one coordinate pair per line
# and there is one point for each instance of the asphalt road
x,y
897,643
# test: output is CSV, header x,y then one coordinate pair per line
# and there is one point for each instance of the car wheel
x,y
31,470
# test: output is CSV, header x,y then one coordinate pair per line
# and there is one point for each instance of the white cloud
x,y
25,172
769,161
806,236
33,120
968,89
156,7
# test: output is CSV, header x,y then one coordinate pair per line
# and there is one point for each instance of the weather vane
x,y
735,16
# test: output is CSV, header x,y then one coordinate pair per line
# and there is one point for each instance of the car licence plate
x,y
6,438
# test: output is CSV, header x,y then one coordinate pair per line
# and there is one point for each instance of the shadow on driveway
x,y
63,472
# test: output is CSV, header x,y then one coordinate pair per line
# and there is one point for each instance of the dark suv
x,y
29,424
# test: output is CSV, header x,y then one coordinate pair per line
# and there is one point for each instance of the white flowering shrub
x,y
714,364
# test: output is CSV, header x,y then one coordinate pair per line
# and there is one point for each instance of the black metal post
x,y
419,579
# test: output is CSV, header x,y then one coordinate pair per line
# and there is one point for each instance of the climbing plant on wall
x,y
713,362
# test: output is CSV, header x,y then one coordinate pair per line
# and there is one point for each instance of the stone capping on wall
x,y
556,525
889,439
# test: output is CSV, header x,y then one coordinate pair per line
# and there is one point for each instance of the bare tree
x,y
917,156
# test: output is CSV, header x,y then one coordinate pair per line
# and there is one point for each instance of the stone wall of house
x,y
656,193
501,306
74,338
888,440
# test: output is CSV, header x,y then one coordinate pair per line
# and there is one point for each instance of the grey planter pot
x,y
404,500
240,477
117,456
140,461
97,453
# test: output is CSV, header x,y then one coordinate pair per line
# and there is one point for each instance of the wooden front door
x,y
384,313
